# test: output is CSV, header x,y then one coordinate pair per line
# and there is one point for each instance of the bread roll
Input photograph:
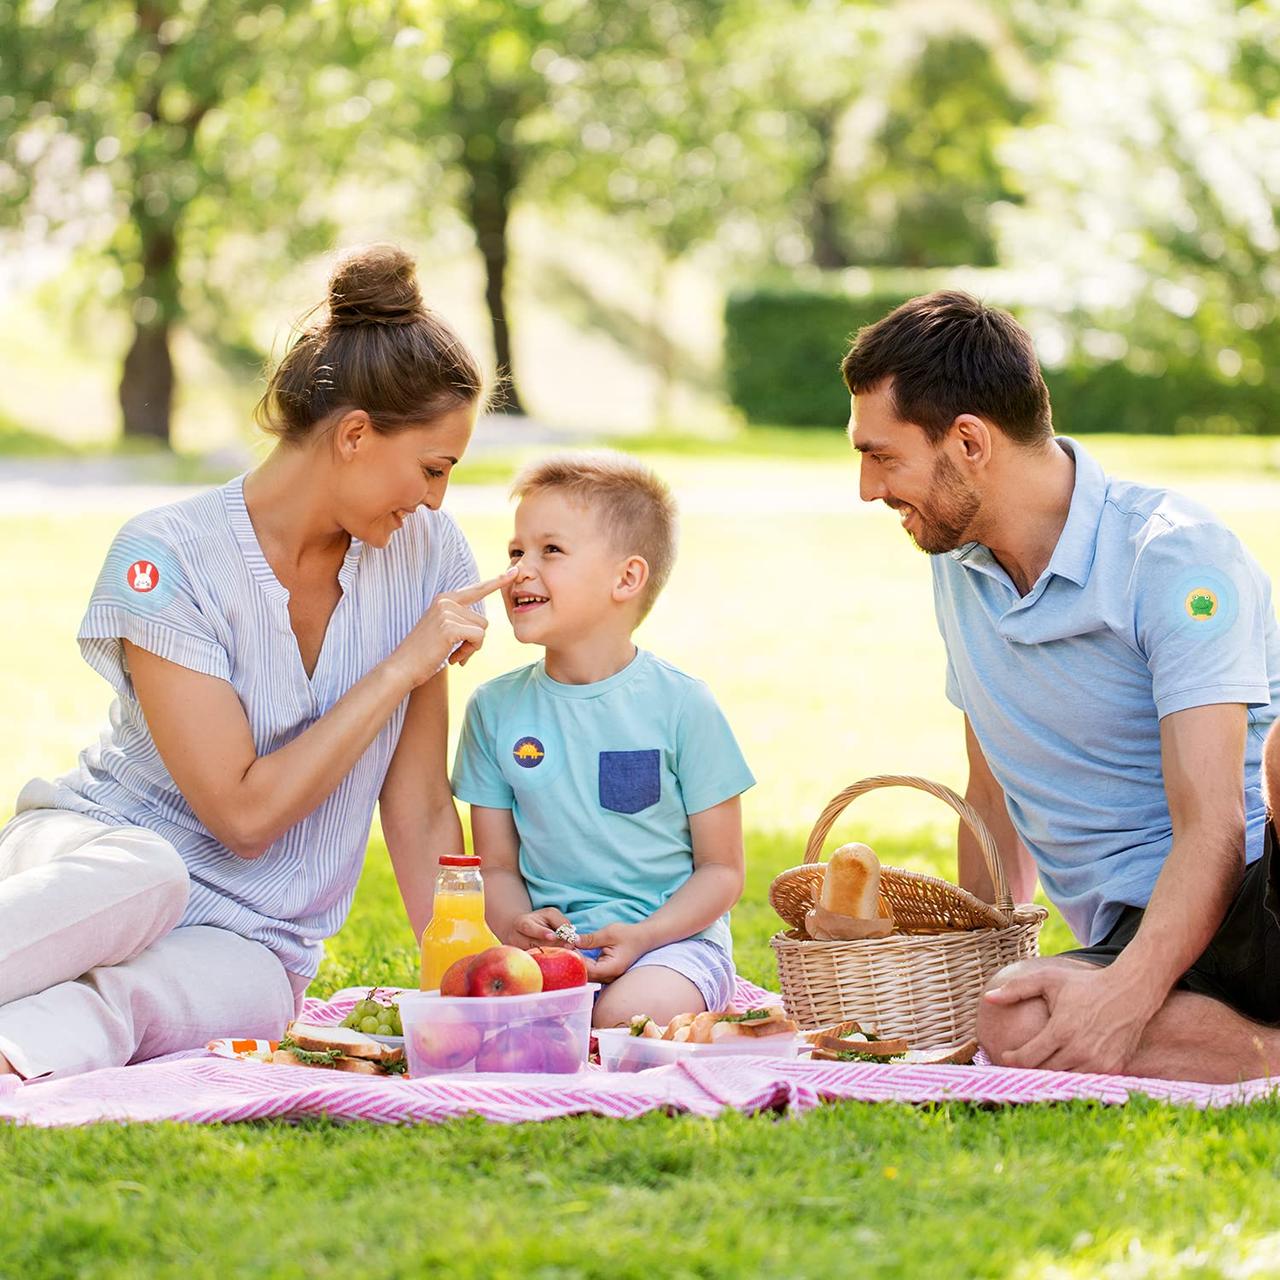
x,y
851,883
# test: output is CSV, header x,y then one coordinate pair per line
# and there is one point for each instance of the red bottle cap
x,y
458,860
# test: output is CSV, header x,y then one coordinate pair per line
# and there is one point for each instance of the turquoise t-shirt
x,y
601,779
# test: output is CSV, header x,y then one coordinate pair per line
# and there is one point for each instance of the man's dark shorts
x,y
1241,966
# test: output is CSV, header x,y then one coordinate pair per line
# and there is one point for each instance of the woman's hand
x,y
536,928
449,631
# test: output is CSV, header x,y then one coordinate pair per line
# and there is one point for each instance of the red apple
x,y
445,1042
560,967
511,1049
561,1047
502,971
453,982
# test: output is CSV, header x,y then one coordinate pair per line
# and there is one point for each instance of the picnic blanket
x,y
198,1088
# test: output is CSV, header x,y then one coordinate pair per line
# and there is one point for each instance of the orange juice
x,y
457,926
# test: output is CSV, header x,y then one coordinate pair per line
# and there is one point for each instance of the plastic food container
x,y
621,1051
548,1032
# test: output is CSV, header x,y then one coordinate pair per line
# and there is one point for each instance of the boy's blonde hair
x,y
633,504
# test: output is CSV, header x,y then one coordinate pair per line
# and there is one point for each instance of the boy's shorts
x,y
1241,965
706,964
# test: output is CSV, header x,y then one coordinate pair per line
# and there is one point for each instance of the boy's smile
x,y
567,570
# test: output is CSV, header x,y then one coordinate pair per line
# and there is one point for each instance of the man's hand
x,y
1096,1018
620,946
537,928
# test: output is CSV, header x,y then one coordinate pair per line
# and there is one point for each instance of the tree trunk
x,y
146,385
493,183
147,380
824,233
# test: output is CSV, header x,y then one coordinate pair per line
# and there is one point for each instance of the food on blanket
x,y
446,1042
498,971
752,1025
851,882
644,1026
864,1045
375,1017
308,1044
716,1025
560,967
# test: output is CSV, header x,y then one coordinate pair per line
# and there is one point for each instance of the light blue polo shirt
x,y
1149,605
601,779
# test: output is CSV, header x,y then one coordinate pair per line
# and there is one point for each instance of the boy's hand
x,y
620,946
537,928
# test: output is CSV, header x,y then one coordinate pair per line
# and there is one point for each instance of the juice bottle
x,y
457,926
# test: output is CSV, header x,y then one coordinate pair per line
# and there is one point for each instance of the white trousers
x,y
93,972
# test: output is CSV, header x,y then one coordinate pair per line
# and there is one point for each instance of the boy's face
x,y
569,573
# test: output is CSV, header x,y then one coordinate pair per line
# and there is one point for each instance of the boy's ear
x,y
633,576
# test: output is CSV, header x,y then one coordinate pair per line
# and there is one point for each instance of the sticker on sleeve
x,y
140,573
1204,601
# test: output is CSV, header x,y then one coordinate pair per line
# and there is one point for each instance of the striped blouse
x,y
189,582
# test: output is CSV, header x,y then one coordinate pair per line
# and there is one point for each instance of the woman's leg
x,y
193,985
76,894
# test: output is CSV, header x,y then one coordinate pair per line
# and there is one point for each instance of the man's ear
x,y
633,577
351,434
972,437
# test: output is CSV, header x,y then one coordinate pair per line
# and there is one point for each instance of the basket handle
x,y
968,815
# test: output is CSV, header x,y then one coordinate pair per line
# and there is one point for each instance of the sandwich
x,y
307,1044
718,1025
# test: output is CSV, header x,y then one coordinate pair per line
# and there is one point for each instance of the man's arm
x,y
987,797
1098,1015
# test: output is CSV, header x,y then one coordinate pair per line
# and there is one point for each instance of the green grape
x,y
369,1025
384,1030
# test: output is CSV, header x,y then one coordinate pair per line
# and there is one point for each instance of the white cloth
x,y
93,972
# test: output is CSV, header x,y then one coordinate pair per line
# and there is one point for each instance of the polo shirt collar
x,y
1073,556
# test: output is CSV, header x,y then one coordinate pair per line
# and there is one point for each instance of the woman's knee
x,y
160,869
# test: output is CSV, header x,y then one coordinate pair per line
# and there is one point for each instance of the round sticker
x,y
142,576
1201,604
528,753
1205,600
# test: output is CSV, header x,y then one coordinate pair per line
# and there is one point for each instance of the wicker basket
x,y
924,980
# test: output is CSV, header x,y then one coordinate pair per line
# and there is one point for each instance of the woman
x,y
277,647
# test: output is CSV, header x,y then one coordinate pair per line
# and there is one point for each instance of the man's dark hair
x,y
948,354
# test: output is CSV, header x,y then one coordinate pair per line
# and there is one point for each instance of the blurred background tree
x,y
1109,168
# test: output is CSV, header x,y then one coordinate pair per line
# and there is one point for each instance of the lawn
x,y
810,616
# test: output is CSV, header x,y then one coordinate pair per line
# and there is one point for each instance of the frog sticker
x,y
1201,604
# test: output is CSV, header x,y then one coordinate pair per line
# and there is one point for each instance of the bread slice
x,y
318,1038
851,882
869,1048
678,1023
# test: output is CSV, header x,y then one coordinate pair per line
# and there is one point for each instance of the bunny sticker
x,y
142,576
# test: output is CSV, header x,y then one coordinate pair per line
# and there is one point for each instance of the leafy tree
x,y
179,110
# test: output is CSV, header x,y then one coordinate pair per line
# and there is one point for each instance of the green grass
x,y
813,623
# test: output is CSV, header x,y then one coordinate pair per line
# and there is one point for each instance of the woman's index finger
x,y
478,591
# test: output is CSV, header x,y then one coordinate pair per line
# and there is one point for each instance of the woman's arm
x,y
248,801
419,819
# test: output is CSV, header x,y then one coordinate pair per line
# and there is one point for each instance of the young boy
x,y
603,782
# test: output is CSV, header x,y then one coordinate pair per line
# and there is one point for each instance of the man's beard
x,y
951,507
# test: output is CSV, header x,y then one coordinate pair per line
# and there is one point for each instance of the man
x,y
1116,654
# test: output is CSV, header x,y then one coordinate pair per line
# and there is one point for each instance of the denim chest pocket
x,y
630,780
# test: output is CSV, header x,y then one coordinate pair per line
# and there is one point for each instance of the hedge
x,y
784,344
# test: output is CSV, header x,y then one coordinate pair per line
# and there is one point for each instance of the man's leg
x,y
1192,1037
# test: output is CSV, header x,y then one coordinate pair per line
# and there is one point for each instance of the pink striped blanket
x,y
199,1088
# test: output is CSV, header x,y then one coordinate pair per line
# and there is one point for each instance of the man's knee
x,y
1271,773
1003,1028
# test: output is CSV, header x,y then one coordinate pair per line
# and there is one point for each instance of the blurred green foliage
x,y
1120,158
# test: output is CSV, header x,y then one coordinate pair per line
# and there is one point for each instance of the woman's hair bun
x,y
375,285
